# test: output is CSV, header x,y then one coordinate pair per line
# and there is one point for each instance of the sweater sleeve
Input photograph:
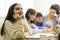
x,y
27,29
13,32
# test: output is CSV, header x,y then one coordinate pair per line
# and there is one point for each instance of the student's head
x,y
14,13
39,17
30,14
54,9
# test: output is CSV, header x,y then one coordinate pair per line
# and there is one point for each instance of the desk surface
x,y
39,35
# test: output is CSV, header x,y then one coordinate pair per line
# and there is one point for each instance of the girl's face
x,y
18,13
52,12
32,17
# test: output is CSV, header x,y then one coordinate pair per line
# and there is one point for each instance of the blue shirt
x,y
40,25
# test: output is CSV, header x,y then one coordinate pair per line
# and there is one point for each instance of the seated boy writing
x,y
39,22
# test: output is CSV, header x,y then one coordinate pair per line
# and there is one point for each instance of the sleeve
x,y
57,31
13,32
57,20
36,29
27,29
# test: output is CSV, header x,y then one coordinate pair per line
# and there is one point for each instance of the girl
x,y
14,27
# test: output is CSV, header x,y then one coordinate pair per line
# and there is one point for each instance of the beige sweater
x,y
13,32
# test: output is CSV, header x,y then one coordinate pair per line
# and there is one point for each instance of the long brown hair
x,y
9,17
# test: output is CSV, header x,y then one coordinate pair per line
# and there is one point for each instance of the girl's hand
x,y
56,36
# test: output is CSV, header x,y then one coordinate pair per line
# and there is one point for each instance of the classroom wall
x,y
44,5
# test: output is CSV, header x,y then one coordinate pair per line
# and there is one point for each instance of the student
x,y
57,22
30,18
14,26
39,22
51,19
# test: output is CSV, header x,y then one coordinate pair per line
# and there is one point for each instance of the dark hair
x,y
9,17
55,7
39,14
29,11
59,12
59,36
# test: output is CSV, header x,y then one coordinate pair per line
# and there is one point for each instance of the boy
x,y
39,22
